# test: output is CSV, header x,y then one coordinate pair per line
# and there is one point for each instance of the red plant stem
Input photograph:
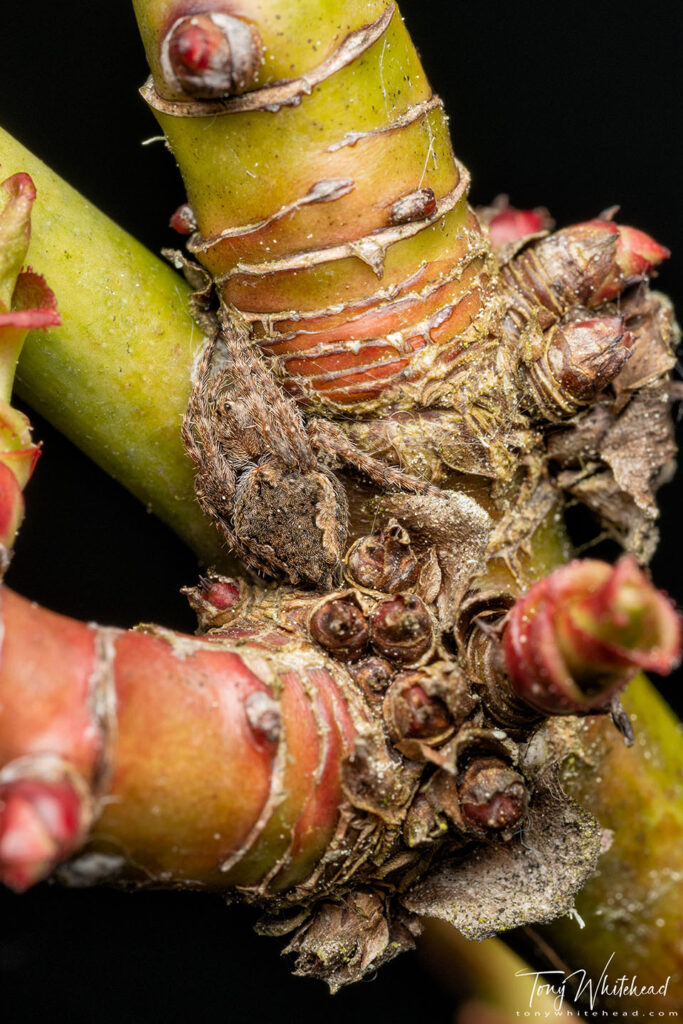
x,y
209,762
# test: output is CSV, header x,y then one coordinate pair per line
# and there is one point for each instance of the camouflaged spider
x,y
264,472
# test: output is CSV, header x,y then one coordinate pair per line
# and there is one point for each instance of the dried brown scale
x,y
424,826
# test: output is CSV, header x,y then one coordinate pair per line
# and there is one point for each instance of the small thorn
x,y
621,720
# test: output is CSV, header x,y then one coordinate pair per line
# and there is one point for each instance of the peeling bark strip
x,y
371,249
321,192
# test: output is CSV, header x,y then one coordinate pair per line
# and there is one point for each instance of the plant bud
x,y
636,255
41,823
493,796
570,365
340,626
412,714
215,599
183,220
631,255
579,635
424,708
401,629
415,205
373,676
211,55
507,224
478,789
384,561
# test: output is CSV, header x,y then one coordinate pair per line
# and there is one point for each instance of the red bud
x,y
211,55
183,220
492,794
579,635
635,256
40,825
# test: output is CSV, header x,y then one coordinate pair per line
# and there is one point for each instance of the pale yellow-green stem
x,y
633,905
327,195
116,375
489,976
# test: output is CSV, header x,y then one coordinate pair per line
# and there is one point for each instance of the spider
x,y
264,473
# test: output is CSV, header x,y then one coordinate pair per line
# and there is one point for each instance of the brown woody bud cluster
x,y
399,628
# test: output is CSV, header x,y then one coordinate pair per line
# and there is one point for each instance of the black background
x,y
575,106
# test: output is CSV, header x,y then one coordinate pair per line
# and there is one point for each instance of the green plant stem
x,y
633,904
116,376
488,975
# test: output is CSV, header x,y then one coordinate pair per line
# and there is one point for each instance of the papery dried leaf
x,y
640,448
621,459
531,879
344,941
456,528
649,318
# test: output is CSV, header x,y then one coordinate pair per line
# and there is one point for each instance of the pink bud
x,y
635,256
510,224
578,636
638,253
183,220
40,825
